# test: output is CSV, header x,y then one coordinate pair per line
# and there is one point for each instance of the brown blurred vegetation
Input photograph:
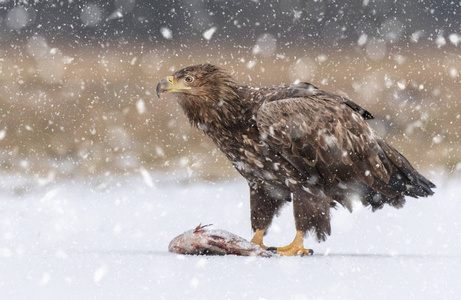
x,y
67,112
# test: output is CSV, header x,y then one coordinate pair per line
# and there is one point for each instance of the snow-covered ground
x,y
107,238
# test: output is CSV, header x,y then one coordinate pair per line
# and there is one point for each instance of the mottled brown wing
x,y
319,131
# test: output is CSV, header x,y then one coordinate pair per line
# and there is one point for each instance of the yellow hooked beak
x,y
169,85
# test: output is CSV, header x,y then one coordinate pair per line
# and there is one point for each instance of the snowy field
x,y
107,238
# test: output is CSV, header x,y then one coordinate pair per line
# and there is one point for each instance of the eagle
x,y
295,142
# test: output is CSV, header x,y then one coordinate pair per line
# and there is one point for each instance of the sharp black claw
x,y
311,252
272,249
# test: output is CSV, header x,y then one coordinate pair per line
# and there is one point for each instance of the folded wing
x,y
351,159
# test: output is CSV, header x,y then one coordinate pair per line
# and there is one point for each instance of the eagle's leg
x,y
265,201
258,238
312,212
296,247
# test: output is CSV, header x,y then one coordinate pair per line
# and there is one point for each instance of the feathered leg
x,y
265,201
311,210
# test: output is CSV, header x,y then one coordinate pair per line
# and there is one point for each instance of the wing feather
x,y
331,137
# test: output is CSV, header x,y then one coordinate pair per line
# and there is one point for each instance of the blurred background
x,y
78,78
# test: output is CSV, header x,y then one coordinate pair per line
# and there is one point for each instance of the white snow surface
x,y
107,238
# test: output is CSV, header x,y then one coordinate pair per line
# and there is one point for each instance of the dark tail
x,y
404,181
404,177
416,186
421,187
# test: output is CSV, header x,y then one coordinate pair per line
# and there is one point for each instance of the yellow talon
x,y
258,238
296,247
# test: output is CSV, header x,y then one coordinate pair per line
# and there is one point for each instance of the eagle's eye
x,y
189,79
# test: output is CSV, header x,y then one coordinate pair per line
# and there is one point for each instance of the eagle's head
x,y
206,93
205,81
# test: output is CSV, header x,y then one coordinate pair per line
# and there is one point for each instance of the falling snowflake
x,y
440,41
99,273
166,33
415,36
454,39
376,49
146,177
209,33
266,45
362,40
91,15
141,106
17,18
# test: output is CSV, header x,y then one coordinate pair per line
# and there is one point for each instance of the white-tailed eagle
x,y
295,143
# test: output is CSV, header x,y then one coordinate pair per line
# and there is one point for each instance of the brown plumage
x,y
295,143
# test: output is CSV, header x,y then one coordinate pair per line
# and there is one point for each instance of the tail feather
x,y
405,177
423,188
